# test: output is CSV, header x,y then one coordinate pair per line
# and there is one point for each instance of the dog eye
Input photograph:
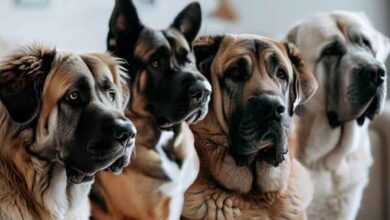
x,y
73,97
365,43
234,73
332,50
111,94
281,74
156,64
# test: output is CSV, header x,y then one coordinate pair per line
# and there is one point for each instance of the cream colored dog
x,y
346,54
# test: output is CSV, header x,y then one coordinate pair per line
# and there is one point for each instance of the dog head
x,y
73,104
165,82
346,54
257,84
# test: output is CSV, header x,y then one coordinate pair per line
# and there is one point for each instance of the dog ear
x,y
205,49
188,21
292,34
22,78
304,83
382,43
124,28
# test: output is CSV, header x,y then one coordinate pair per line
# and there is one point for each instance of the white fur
x,y
338,159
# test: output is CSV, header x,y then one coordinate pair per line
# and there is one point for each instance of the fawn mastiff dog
x,y
167,92
246,171
61,121
346,53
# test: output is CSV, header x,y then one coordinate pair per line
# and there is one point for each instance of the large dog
x,y
62,120
346,54
167,90
245,170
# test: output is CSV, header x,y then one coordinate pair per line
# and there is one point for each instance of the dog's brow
x,y
161,51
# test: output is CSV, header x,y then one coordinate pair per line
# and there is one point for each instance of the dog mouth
x,y
369,112
194,116
263,144
77,176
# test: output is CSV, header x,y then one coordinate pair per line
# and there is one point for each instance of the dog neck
x,y
218,166
37,185
154,144
323,147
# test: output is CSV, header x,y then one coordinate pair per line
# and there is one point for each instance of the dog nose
x,y
268,106
376,73
198,93
123,131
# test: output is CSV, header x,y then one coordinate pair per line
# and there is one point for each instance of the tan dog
x,y
245,171
167,92
61,121
346,54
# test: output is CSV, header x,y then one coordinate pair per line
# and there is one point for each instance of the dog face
x,y
74,105
257,83
346,53
165,82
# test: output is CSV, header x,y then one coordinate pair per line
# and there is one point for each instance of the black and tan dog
x,y
245,170
62,120
167,90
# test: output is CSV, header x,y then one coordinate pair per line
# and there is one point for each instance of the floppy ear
x,y
292,34
124,28
205,49
304,83
188,21
22,78
383,46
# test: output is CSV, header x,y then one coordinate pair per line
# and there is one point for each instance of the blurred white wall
x,y
82,24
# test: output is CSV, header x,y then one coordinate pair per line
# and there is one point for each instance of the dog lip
x,y
105,155
77,176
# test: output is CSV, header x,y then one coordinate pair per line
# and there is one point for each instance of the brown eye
x,y
281,74
111,94
156,64
73,97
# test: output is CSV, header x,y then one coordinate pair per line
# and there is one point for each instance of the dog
x,y
167,91
246,171
62,120
346,54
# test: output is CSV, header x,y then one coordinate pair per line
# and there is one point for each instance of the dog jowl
x,y
74,104
165,82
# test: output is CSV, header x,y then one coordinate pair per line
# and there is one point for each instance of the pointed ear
x,y
124,25
188,21
304,83
22,78
205,49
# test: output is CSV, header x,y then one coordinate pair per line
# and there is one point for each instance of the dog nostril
x,y
280,109
198,95
122,137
